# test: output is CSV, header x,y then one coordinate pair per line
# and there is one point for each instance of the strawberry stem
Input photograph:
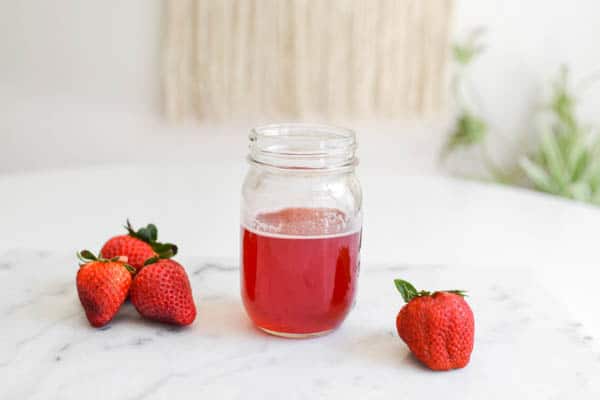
x,y
130,268
151,260
86,256
149,234
408,291
462,293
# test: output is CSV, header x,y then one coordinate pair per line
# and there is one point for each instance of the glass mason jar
x,y
301,228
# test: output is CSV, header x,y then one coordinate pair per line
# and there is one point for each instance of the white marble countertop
x,y
529,261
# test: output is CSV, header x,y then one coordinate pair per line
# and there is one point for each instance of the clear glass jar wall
x,y
301,228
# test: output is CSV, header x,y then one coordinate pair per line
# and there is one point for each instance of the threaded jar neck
x,y
303,146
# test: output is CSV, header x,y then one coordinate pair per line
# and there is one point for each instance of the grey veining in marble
x,y
527,346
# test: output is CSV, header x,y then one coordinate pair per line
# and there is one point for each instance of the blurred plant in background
x,y
470,128
566,161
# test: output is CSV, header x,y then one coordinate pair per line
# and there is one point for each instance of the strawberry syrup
x,y
300,276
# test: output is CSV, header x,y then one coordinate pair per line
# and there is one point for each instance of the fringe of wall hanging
x,y
305,58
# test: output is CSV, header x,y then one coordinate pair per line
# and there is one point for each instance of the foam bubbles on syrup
x,y
302,222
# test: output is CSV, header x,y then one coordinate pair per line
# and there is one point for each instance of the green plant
x,y
567,162
470,128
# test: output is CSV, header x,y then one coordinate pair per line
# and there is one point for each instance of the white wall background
x,y
79,82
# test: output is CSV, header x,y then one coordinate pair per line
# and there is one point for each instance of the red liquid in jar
x,y
300,276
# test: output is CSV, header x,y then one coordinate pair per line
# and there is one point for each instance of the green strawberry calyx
x,y
151,260
149,234
408,291
86,257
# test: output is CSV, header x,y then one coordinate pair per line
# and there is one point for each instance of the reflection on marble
x,y
527,346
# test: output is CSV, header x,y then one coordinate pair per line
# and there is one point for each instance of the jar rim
x,y
303,146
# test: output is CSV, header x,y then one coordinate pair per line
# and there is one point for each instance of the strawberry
x,y
437,327
161,291
102,285
138,246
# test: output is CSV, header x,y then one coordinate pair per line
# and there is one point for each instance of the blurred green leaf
x,y
469,130
466,51
563,102
578,161
580,191
567,162
538,175
551,153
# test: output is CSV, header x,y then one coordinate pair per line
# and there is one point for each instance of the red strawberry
x,y
102,286
161,291
438,328
138,246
